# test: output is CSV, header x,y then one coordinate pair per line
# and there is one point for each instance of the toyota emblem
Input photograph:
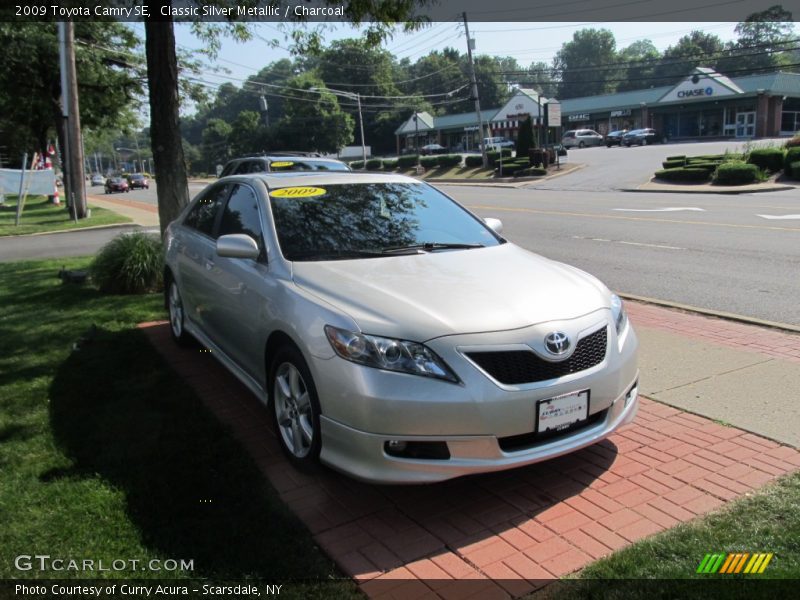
x,y
556,342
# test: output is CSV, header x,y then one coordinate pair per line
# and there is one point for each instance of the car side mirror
x,y
495,225
237,245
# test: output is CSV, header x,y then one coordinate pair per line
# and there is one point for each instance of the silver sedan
x,y
394,335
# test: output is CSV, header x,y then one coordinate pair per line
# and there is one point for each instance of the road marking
x,y
785,217
669,209
661,246
559,213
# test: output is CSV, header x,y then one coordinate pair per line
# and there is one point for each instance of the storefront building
x,y
706,104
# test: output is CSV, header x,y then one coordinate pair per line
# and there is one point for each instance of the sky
x,y
525,41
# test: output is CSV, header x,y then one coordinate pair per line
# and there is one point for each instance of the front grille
x,y
526,441
524,366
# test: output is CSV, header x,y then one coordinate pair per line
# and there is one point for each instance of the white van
x,y
495,143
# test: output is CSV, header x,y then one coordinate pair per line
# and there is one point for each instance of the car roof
x,y
313,178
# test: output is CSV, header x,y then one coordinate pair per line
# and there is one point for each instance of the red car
x,y
116,184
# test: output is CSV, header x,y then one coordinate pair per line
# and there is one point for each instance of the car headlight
x,y
388,354
618,312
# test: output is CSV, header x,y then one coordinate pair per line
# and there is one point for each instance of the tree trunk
x,y
165,133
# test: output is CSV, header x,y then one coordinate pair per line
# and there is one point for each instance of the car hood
x,y
420,297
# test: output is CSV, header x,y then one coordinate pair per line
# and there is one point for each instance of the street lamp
x,y
357,98
130,151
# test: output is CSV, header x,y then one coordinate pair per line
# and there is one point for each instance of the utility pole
x,y
474,82
76,187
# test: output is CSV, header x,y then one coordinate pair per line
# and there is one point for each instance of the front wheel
x,y
581,145
295,408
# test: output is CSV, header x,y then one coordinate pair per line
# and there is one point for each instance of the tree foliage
x,y
587,63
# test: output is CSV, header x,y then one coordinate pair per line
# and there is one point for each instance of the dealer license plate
x,y
555,414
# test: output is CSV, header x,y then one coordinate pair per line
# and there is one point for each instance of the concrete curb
x,y
712,313
707,191
705,188
77,229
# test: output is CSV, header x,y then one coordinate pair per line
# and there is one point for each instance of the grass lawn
x,y
39,215
765,521
106,454
466,173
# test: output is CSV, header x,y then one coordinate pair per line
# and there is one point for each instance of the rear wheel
x,y
295,407
581,145
176,314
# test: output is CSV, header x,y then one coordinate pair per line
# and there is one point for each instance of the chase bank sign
x,y
694,93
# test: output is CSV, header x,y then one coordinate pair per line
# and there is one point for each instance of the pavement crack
x,y
708,377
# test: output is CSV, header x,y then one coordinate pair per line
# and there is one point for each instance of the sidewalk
x,y
141,213
506,534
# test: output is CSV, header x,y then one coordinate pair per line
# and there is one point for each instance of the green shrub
x,y
672,164
677,157
129,264
374,164
684,174
494,156
473,160
530,172
449,160
709,166
770,159
429,161
357,164
510,168
792,156
794,170
389,164
736,173
407,161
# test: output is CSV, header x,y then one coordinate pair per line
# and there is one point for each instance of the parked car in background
x,y
614,138
138,180
117,184
643,137
495,143
98,179
289,161
432,149
581,138
393,334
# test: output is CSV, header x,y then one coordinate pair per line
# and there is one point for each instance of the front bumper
x,y
365,408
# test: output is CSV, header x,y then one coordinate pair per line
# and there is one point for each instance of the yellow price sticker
x,y
298,192
280,163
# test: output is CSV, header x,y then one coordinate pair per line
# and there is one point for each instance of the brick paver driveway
x,y
507,533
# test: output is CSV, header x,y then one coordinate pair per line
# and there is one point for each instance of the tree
x,y
639,62
540,78
764,43
30,81
697,49
216,144
586,64
314,121
525,138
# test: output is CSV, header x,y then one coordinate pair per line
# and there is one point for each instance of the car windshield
x,y
137,176
363,220
306,165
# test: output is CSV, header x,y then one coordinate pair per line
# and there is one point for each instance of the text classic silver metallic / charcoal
x,y
394,335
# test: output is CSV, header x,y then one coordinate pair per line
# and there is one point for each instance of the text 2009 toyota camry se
x,y
394,335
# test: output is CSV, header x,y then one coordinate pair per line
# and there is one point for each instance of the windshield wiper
x,y
333,254
430,247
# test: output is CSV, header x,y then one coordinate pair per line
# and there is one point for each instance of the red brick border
x,y
516,529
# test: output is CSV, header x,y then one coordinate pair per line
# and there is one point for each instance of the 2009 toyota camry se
x,y
394,335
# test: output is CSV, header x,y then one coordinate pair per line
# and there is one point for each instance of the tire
x,y
581,145
294,406
177,315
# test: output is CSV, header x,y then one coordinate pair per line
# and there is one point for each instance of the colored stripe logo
x,y
735,562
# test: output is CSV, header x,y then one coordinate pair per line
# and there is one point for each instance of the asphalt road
x,y
738,254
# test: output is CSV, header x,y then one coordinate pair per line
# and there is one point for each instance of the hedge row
x,y
794,170
530,172
684,174
374,164
736,173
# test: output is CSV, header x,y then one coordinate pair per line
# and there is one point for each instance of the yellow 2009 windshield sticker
x,y
280,163
298,192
